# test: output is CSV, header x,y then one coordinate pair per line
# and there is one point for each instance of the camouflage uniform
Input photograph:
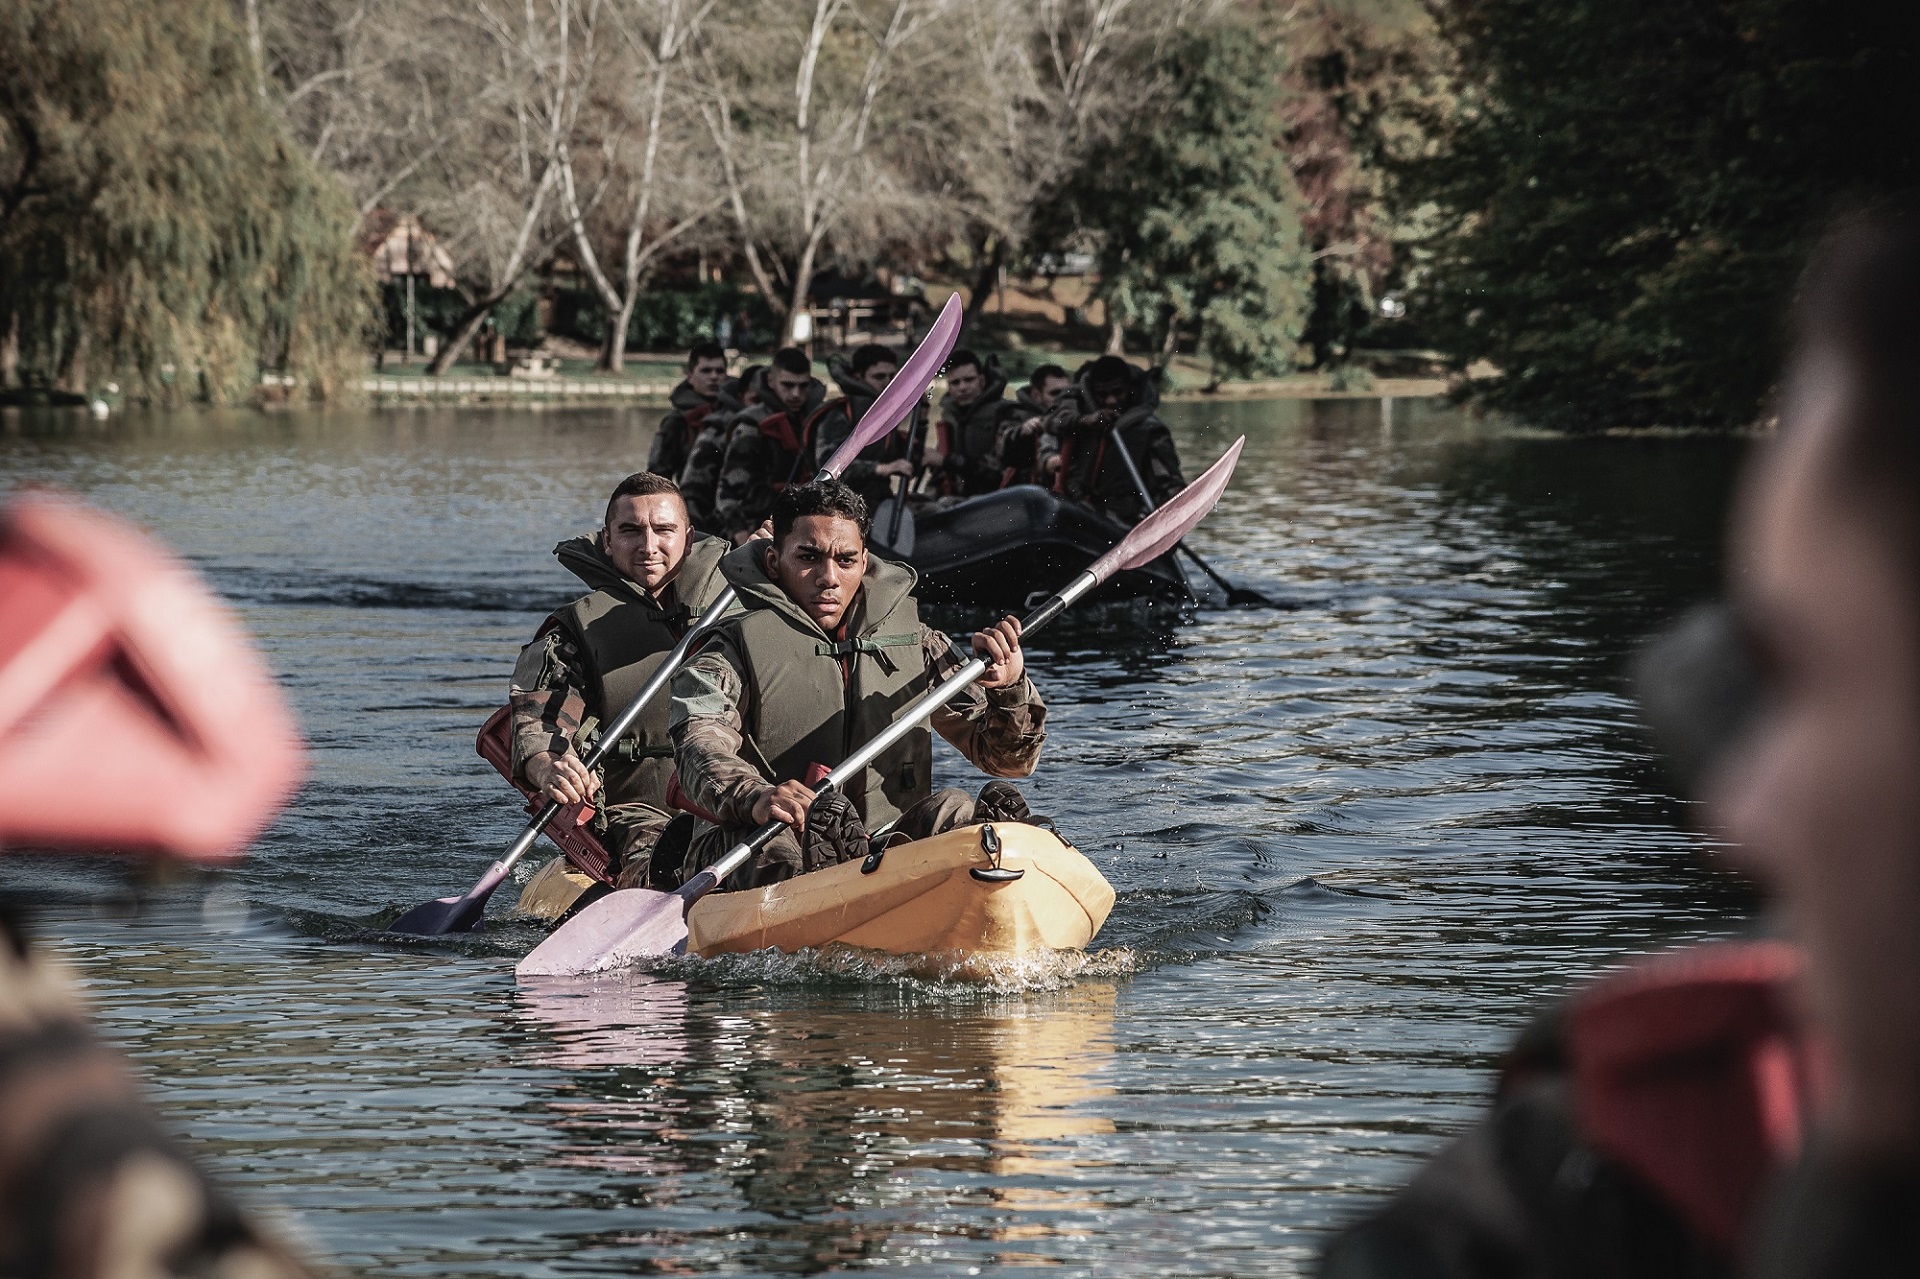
x,y
1020,454
973,436
1000,731
767,449
673,441
837,421
96,1187
699,476
1090,472
554,695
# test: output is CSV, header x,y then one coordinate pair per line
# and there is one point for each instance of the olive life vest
x,y
623,635
812,699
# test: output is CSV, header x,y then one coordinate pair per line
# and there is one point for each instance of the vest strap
x,y
873,645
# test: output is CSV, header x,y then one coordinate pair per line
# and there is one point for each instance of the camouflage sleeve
x,y
834,429
999,730
700,477
547,696
1163,464
667,457
745,492
705,723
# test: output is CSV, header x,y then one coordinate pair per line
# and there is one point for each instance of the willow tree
x,y
158,227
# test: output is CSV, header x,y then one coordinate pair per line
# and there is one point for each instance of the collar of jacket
x,y
883,590
583,557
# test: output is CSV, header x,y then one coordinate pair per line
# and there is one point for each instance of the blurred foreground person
x,y
1751,1109
129,686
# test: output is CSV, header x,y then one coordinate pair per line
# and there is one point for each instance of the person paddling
x,y
650,575
1110,397
829,648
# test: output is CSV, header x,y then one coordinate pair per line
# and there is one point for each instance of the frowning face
x,y
819,564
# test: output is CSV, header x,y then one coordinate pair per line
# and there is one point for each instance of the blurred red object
x,y
135,713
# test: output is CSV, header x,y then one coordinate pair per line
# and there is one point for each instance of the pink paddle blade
x,y
908,385
1156,535
622,927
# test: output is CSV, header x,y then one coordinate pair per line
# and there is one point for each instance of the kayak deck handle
x,y
996,873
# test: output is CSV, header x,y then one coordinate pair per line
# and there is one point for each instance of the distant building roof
x,y
400,246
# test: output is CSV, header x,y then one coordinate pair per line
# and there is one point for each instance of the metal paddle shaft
x,y
463,914
639,923
1235,594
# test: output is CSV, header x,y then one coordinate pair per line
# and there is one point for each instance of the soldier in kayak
x,y
699,477
650,576
829,649
697,397
770,445
972,413
861,379
1020,433
1077,449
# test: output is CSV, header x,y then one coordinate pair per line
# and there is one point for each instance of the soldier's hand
x,y
561,777
1050,464
787,802
899,467
1000,645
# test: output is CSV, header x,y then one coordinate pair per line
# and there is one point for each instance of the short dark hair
x,y
705,351
1044,374
1110,370
871,354
642,484
961,358
826,497
791,359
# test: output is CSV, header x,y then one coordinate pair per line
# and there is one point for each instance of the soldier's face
x,y
1049,391
965,384
646,537
819,565
1110,396
706,376
789,388
877,376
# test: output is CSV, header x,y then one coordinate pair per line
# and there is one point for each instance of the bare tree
x,y
804,171
541,55
657,33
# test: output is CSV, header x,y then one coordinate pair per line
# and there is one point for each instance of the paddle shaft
x,y
715,875
611,735
1146,499
906,481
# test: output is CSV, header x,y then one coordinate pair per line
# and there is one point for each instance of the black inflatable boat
x,y
1000,549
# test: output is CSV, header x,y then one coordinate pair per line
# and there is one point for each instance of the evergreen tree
x,y
1193,214
1629,186
157,224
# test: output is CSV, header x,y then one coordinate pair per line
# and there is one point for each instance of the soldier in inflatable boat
x,y
650,575
829,649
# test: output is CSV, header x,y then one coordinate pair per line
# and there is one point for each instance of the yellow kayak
x,y
941,896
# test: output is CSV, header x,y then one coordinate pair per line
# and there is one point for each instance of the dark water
x,y
1353,841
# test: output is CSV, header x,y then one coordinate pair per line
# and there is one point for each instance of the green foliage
x,y
663,319
1194,216
158,226
1631,185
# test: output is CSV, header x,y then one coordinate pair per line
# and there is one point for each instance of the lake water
x,y
1354,841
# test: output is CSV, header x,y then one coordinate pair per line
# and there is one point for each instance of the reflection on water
x,y
1353,840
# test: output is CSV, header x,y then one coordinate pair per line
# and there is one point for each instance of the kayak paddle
x,y
638,923
464,913
1236,595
